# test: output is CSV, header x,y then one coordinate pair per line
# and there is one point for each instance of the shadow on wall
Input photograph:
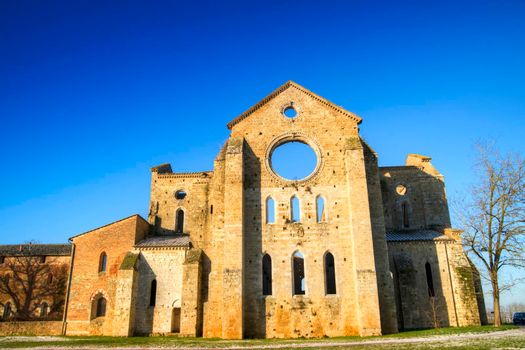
x,y
418,285
413,199
254,310
144,312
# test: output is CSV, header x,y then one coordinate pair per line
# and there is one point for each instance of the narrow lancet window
x,y
267,274
270,211
296,209
406,222
153,293
7,310
329,273
101,307
103,262
299,282
179,218
430,281
320,209
44,309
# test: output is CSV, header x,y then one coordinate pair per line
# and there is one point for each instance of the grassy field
x,y
326,343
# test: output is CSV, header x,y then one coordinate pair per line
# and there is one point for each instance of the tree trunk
x,y
495,298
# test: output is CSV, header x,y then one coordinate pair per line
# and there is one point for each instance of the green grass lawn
x,y
519,342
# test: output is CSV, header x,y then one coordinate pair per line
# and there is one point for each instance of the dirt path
x,y
313,344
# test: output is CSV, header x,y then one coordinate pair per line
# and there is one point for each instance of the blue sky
x,y
94,93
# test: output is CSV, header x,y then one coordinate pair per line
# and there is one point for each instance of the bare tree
x,y
30,282
433,312
494,218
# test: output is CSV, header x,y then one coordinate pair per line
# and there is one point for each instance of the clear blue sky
x,y
93,93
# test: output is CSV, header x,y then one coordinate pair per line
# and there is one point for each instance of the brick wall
x,y
88,283
31,328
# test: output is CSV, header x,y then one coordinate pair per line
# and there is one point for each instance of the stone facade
x,y
380,257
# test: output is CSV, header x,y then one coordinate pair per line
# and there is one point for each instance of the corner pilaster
x,y
233,252
365,279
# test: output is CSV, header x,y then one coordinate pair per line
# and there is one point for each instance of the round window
x,y
180,194
401,190
293,160
290,112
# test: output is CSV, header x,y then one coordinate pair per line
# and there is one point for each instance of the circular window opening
x,y
401,190
290,112
293,160
180,194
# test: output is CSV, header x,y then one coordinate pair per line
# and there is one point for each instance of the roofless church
x,y
242,251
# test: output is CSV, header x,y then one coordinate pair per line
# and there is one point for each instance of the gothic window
x,y
7,310
153,293
179,218
101,307
329,273
44,308
296,209
320,209
2,259
404,208
103,262
267,274
270,211
299,282
430,281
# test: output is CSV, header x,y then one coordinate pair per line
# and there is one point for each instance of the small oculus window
x,y
180,194
401,190
290,112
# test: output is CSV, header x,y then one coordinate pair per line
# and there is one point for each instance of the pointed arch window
x,y
153,293
296,209
319,204
44,308
299,281
329,273
179,221
267,274
270,210
430,280
7,310
101,307
406,216
103,262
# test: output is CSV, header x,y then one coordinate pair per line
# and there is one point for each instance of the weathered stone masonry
x,y
195,266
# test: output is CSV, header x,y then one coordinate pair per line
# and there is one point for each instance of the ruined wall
x,y
454,302
345,232
422,188
165,265
88,283
164,204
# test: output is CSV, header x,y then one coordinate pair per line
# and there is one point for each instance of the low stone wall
x,y
31,328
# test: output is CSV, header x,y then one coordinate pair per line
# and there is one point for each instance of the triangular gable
x,y
111,223
291,84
